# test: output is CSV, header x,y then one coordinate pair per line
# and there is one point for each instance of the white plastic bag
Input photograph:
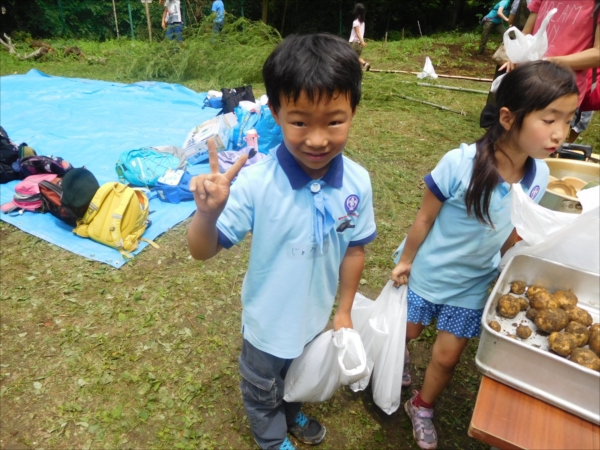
x,y
571,239
527,47
382,325
428,70
333,359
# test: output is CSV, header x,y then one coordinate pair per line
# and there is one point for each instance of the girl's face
x,y
543,131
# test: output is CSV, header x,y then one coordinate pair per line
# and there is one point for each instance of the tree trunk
x,y
284,12
265,9
458,6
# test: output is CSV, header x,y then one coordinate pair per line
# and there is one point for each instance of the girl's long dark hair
x,y
359,12
530,87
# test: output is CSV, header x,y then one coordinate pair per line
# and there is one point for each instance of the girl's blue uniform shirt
x,y
458,260
290,286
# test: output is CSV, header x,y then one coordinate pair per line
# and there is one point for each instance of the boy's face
x,y
315,133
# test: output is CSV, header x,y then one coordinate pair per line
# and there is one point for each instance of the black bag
x,y
9,154
233,97
68,198
37,164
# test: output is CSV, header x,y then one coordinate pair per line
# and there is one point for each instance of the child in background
x,y
494,20
310,212
449,258
357,34
171,20
219,9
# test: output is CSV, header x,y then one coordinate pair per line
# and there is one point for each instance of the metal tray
x,y
527,365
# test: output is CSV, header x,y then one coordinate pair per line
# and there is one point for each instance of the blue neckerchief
x,y
323,220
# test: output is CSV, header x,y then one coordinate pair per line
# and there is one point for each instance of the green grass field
x,y
145,357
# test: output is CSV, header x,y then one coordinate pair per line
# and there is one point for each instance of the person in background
x,y
450,257
172,20
219,8
310,212
493,21
357,34
518,14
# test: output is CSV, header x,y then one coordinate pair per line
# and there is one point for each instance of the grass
x,y
145,357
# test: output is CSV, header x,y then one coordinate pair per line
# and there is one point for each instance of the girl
x,y
450,255
358,32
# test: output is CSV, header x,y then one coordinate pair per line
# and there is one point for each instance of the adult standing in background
x,y
519,13
219,8
357,34
171,20
494,21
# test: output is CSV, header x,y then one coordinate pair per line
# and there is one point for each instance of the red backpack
x,y
27,194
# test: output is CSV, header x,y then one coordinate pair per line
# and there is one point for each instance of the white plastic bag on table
x,y
382,326
527,47
333,359
571,239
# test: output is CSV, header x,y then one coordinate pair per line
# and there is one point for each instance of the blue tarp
x,y
89,123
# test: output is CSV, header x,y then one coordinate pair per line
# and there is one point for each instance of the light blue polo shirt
x,y
289,288
493,16
458,260
219,8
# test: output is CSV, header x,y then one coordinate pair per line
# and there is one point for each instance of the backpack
x,y
38,164
10,153
117,217
27,195
232,97
144,166
174,193
68,198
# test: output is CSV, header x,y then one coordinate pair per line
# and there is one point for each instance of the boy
x,y
310,213
219,8
171,20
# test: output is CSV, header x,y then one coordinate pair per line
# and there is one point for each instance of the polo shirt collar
x,y
299,178
530,171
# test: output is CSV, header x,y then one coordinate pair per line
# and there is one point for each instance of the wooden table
x,y
509,419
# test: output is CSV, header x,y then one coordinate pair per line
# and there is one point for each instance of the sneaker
x,y
307,430
406,380
423,429
287,445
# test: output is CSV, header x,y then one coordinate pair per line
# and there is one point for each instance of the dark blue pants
x,y
262,391
174,31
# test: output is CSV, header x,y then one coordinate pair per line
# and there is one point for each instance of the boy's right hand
x,y
211,191
401,273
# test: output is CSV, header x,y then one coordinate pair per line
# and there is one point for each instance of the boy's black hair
x,y
319,65
359,12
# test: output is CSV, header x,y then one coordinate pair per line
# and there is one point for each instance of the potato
x,y
594,342
579,331
495,326
523,303
585,358
508,306
562,343
532,290
523,331
576,314
549,320
531,313
517,287
543,300
565,299
595,328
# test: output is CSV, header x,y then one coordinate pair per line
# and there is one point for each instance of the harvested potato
x,y
562,344
579,331
553,319
532,290
585,358
595,328
523,331
543,300
517,287
576,314
523,303
565,299
594,342
531,313
495,326
508,306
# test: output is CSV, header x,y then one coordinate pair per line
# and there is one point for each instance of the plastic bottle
x,y
252,139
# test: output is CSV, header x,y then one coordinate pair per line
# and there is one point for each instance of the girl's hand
x,y
341,320
400,274
363,44
211,191
508,65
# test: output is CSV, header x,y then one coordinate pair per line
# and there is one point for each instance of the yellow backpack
x,y
117,217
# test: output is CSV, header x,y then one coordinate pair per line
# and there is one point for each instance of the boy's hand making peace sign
x,y
211,191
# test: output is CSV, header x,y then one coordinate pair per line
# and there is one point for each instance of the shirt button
x,y
315,187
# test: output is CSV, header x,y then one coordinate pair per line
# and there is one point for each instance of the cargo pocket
x,y
256,387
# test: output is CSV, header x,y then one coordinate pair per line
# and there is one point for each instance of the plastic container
x,y
251,139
